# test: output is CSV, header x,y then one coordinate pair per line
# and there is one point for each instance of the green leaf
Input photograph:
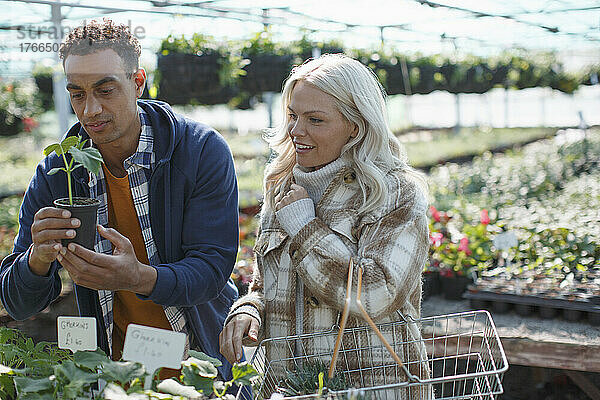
x,y
31,385
7,387
202,367
122,371
89,157
49,149
90,359
56,170
73,380
201,383
201,356
82,144
243,373
38,396
199,373
69,142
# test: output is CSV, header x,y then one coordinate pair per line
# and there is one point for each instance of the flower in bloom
x,y
484,217
436,239
29,124
435,214
464,245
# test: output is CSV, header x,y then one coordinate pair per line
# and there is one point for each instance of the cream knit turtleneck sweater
x,y
296,215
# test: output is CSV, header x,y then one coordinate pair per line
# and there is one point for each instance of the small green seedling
x,y
88,157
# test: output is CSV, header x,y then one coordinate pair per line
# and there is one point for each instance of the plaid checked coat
x,y
390,244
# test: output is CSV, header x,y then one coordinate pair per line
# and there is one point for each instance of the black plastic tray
x,y
524,304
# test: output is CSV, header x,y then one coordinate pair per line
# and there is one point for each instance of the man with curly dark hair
x,y
168,219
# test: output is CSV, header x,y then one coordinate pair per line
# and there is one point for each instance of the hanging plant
x,y
268,64
197,71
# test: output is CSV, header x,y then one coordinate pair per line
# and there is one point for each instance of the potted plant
x,y
43,371
459,250
268,64
197,71
83,208
18,107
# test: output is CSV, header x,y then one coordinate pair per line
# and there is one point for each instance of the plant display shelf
x,y
574,306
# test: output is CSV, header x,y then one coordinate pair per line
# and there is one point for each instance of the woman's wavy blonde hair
x,y
360,98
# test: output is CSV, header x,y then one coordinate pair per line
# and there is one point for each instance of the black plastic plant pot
x,y
86,211
524,310
454,286
572,315
500,307
479,304
431,283
548,312
594,318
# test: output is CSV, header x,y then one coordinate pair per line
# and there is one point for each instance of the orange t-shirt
x,y
127,307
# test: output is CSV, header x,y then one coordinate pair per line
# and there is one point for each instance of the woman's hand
x,y
230,338
295,193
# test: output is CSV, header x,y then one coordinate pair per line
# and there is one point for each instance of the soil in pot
x,y
86,210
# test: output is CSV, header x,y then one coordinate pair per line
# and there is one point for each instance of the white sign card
x,y
77,333
154,347
505,241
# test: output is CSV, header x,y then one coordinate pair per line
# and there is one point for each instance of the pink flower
x,y
436,239
484,217
29,124
435,214
464,246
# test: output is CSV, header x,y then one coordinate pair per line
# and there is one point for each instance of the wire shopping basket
x,y
464,359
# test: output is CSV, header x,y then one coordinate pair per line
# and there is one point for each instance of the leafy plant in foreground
x,y
309,378
87,157
50,373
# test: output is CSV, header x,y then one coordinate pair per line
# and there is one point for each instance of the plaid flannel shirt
x,y
138,166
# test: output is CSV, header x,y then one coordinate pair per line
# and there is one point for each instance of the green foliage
x,y
305,380
229,60
547,194
87,157
40,371
19,356
72,381
19,104
199,374
262,43
399,73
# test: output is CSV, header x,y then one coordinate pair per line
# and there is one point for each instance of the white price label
x,y
154,347
77,333
505,241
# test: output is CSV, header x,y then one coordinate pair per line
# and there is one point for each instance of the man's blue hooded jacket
x,y
194,216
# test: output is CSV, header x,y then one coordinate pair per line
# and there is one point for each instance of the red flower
x,y
446,272
435,214
484,217
436,239
464,246
29,124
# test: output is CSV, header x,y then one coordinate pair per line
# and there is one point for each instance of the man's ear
x,y
139,77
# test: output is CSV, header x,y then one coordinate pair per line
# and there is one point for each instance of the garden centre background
x,y
497,101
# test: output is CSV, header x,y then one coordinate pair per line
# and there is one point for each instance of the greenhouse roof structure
x,y
481,27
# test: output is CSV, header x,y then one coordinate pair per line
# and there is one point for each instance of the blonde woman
x,y
339,188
